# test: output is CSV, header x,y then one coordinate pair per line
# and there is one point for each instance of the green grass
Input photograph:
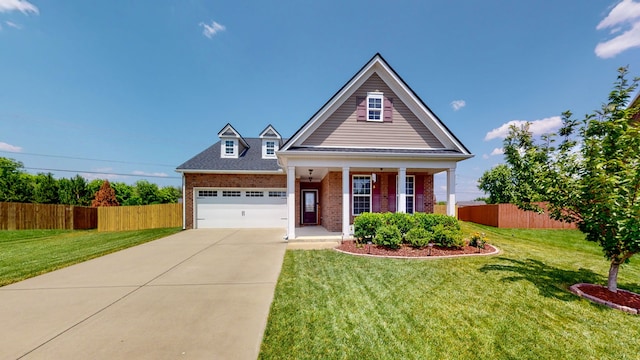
x,y
514,305
27,253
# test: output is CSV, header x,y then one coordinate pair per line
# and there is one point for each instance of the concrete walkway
x,y
198,294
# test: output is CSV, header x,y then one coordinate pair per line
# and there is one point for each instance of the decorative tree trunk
x,y
612,283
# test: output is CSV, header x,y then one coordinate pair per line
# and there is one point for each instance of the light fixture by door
x,y
310,172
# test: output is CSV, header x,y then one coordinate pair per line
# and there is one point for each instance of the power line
x,y
105,173
88,159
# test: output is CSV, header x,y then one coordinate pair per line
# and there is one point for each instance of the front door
x,y
309,206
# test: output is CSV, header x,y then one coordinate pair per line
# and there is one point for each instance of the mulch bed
x,y
408,251
622,300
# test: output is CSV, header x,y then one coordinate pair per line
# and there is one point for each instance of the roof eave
x,y
341,154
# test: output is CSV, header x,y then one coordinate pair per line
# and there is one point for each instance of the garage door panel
x,y
241,212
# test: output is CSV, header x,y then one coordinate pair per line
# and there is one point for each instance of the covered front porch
x,y
331,197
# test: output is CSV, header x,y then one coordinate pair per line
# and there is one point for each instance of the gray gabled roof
x,y
250,160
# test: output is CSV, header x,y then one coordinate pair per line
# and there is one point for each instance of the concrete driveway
x,y
198,294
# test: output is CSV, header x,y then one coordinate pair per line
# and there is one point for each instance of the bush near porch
x,y
417,230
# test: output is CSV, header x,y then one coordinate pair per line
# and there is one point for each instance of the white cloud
x,y
625,15
537,127
497,151
210,30
18,5
458,104
13,25
10,148
156,174
485,156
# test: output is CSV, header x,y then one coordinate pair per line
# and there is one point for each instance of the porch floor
x,y
316,233
314,238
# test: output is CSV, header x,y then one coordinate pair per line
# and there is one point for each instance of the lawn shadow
x,y
550,281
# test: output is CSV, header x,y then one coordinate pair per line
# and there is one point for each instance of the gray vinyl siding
x,y
342,129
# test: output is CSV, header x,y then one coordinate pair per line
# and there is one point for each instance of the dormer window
x,y
269,148
270,142
375,101
230,148
232,145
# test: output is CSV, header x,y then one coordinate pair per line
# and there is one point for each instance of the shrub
x,y
388,236
478,240
366,224
404,222
418,237
447,237
429,221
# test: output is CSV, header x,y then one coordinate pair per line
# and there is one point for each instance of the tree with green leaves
x,y
15,184
46,189
588,173
147,192
498,184
74,191
169,194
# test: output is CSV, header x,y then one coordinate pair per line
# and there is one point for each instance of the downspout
x,y
184,203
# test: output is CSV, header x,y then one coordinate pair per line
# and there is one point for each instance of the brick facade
x,y
226,180
331,199
329,193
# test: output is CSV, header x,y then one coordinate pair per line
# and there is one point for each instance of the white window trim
x,y
375,95
276,147
353,194
413,196
223,149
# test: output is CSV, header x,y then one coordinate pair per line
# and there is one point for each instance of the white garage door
x,y
241,208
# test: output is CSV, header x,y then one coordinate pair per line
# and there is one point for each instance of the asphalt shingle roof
x,y
251,159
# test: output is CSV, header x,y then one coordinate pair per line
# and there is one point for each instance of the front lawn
x,y
514,305
27,253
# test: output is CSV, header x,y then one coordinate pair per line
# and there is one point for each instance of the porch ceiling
x,y
318,173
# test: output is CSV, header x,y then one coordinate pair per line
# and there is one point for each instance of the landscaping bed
x,y
622,300
408,251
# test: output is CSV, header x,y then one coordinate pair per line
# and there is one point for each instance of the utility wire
x,y
105,173
88,159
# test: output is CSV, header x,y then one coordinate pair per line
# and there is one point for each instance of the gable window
x,y
361,185
410,193
230,148
269,148
375,101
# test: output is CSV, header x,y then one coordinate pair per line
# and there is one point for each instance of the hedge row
x,y
417,230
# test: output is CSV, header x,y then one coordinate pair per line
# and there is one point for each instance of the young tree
x,y
592,176
498,183
106,196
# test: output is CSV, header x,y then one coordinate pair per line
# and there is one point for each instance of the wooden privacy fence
x,y
121,218
23,216
509,216
442,209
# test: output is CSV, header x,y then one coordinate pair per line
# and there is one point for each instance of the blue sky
x,y
145,85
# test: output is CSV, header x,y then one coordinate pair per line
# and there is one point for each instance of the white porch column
x,y
451,192
346,201
291,202
402,190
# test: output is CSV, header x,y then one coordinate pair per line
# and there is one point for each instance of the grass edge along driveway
x,y
28,253
513,305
